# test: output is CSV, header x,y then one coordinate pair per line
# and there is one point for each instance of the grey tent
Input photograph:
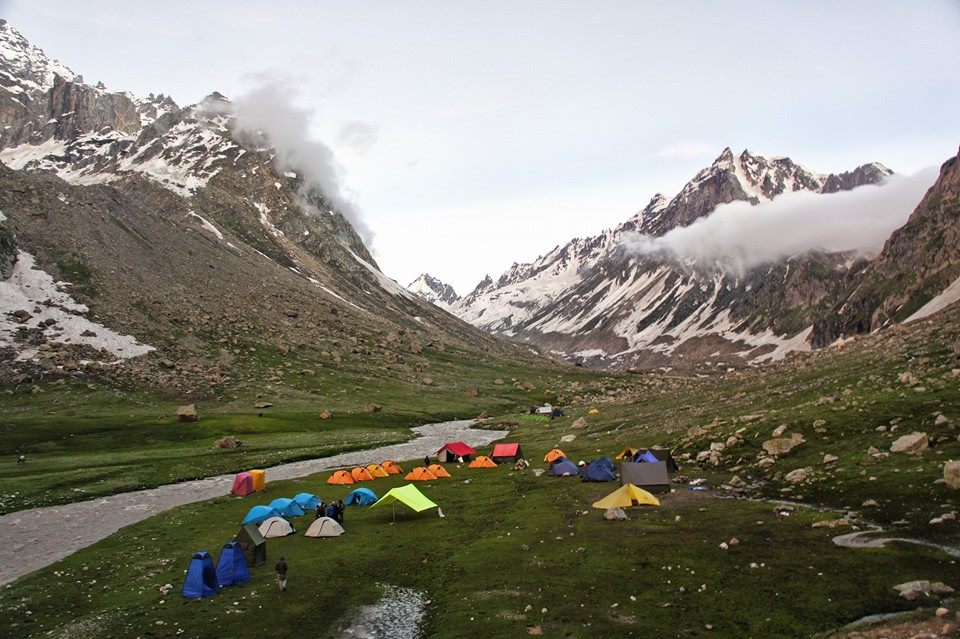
x,y
253,544
651,477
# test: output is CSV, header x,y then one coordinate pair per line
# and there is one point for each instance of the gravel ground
x,y
28,543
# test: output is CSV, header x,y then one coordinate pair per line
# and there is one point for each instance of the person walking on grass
x,y
281,569
426,461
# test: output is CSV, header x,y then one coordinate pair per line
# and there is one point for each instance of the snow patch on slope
x,y
35,291
946,297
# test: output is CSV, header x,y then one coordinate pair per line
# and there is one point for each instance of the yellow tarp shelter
x,y
627,452
626,496
407,495
377,470
259,479
594,411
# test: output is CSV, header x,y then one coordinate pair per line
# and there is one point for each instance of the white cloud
x,y
269,108
686,149
740,236
358,135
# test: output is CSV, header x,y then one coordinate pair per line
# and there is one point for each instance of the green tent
x,y
253,544
408,495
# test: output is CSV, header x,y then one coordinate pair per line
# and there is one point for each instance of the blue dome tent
x,y
259,514
361,497
232,566
647,457
562,466
307,501
286,507
600,470
201,579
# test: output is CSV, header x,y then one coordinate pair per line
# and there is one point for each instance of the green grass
x,y
508,540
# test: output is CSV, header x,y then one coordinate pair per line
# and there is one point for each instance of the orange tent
x,y
391,466
377,470
420,474
361,474
482,462
340,477
438,471
553,455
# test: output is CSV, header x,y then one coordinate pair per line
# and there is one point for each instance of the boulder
x,y
524,385
263,405
308,372
580,422
696,431
498,382
749,419
951,474
912,444
568,438
372,408
615,514
910,590
829,459
830,523
472,392
483,415
798,475
188,413
227,442
782,445
941,420
326,415
779,430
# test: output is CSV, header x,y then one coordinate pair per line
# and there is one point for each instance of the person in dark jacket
x,y
426,461
319,510
338,513
332,510
281,569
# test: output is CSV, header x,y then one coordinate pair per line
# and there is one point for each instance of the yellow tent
x,y
259,479
629,451
407,495
626,496
594,411
377,470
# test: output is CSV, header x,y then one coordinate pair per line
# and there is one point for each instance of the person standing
x,y
281,569
319,510
426,461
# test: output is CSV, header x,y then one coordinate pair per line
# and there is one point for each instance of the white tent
x,y
276,527
324,527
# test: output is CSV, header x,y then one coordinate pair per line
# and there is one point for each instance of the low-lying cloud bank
x,y
740,236
269,108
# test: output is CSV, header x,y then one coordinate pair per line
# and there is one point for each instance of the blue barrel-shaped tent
x,y
361,497
307,501
259,514
201,579
232,566
286,507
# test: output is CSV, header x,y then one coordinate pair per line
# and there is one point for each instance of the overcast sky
x,y
476,134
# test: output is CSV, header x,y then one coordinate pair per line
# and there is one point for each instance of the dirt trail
x,y
32,539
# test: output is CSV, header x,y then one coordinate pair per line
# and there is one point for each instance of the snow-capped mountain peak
x,y
25,68
433,290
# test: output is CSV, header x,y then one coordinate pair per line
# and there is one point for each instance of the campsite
x,y
543,556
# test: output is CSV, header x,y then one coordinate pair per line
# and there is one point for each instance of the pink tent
x,y
242,484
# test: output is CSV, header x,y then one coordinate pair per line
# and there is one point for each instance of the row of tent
x,y
650,469
301,503
365,473
459,451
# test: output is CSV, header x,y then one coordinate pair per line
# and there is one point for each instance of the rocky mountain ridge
x,y
592,302
164,225
433,290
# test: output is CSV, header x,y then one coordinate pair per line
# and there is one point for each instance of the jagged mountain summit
x,y
164,234
590,301
433,290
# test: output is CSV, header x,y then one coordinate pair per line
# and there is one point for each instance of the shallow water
x,y
397,615
28,545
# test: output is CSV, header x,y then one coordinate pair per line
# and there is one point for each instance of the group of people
x,y
333,510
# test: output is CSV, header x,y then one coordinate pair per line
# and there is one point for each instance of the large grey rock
x,y
188,413
951,474
912,444
615,514
782,445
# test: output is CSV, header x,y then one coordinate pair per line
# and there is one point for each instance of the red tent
x,y
242,484
450,452
506,453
